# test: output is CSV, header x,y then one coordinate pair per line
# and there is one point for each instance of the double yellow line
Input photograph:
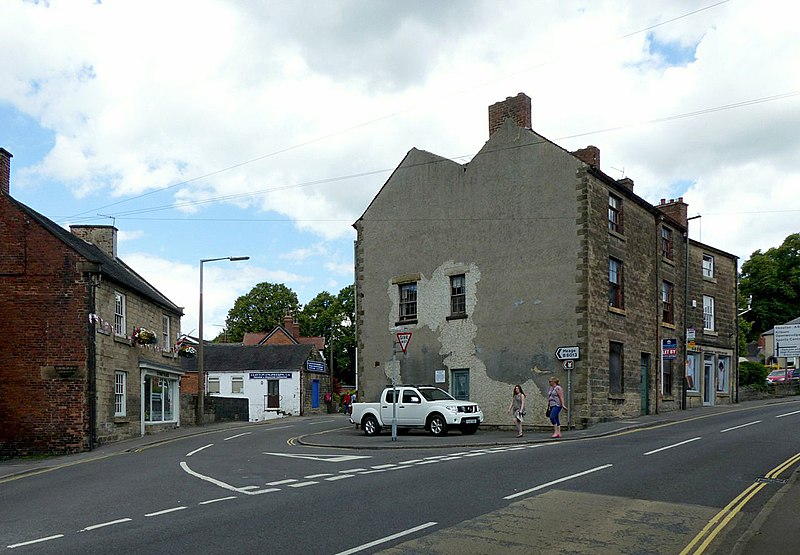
x,y
722,518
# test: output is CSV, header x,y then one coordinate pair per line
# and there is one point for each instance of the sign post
x,y
568,355
403,337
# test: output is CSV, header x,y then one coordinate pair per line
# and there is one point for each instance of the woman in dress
x,y
517,408
555,403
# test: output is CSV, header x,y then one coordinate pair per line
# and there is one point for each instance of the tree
x,y
333,318
261,309
773,279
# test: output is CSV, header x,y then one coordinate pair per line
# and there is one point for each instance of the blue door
x,y
315,394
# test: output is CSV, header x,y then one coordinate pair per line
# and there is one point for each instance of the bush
x,y
752,373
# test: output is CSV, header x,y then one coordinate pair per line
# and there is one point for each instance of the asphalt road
x,y
316,485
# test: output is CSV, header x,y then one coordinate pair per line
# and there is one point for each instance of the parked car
x,y
783,375
425,407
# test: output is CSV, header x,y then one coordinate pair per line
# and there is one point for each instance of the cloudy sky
x,y
208,128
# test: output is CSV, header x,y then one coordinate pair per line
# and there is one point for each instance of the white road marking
x,y
217,500
564,479
248,488
671,446
313,476
110,523
323,458
788,414
341,477
737,427
219,483
282,482
413,461
303,484
382,466
352,470
387,538
198,450
237,435
31,542
165,511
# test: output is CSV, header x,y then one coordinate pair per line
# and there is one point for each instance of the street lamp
x,y
201,379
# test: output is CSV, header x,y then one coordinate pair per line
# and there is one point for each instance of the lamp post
x,y
201,379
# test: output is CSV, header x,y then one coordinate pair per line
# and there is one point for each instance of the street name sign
x,y
568,353
787,340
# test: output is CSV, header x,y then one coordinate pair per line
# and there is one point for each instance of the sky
x,y
209,128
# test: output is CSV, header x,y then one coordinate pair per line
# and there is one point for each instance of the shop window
x,y
159,399
723,365
692,370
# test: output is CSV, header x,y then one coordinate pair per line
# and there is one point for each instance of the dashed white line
x,y
413,461
564,479
341,477
104,524
217,500
302,484
674,445
237,435
282,482
165,511
314,476
31,542
198,450
382,466
737,427
788,414
352,470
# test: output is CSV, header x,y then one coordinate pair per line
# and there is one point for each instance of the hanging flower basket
x,y
144,336
187,351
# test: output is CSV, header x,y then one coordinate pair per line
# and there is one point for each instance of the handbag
x,y
547,412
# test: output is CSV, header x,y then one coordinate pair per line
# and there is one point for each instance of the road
x,y
692,486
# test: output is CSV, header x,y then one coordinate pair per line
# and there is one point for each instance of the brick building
x,y
525,249
73,372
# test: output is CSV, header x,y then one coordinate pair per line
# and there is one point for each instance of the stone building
x,y
76,370
495,264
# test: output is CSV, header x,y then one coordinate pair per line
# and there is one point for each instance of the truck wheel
x,y
371,426
437,425
469,429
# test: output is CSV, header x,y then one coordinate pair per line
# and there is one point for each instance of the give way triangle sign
x,y
403,337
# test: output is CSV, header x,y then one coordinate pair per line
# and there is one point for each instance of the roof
x,y
261,338
111,268
231,357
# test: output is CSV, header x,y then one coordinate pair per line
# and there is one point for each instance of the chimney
x,y
5,171
589,155
626,182
675,209
518,108
103,237
290,325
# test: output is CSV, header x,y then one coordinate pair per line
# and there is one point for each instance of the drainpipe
x,y
660,348
91,363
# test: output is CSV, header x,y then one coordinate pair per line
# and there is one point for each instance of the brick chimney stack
x,y
589,155
518,108
626,182
5,171
103,237
675,209
290,325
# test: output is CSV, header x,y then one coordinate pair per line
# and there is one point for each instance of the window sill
x,y
122,420
711,333
666,260
405,322
668,398
101,331
616,396
667,325
616,234
456,317
120,339
710,279
615,310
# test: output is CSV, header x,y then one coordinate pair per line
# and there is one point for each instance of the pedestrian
x,y
555,403
517,408
346,402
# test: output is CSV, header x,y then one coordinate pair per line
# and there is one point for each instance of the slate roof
x,y
111,268
232,357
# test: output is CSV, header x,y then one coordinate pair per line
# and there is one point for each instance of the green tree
x,y
260,310
333,318
773,280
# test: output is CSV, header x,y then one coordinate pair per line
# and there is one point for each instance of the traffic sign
x,y
568,353
787,340
568,364
403,337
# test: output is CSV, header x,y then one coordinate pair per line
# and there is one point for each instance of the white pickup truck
x,y
424,406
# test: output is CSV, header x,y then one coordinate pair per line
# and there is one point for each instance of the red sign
x,y
403,337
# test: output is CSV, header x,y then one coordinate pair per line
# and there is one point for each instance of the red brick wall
x,y
518,108
43,351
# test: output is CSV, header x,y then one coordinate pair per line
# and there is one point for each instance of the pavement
x,y
766,534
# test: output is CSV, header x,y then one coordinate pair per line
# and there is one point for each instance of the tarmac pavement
x,y
772,530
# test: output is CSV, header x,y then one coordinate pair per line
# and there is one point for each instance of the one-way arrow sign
x,y
568,353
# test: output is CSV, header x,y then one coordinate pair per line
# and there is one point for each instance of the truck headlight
x,y
452,408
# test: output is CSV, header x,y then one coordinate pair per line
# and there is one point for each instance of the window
x,y
723,363
408,301
666,243
120,381
458,296
708,313
615,283
614,367
166,344
614,213
667,311
708,266
666,386
159,396
119,314
213,385
411,397
237,384
459,384
692,366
